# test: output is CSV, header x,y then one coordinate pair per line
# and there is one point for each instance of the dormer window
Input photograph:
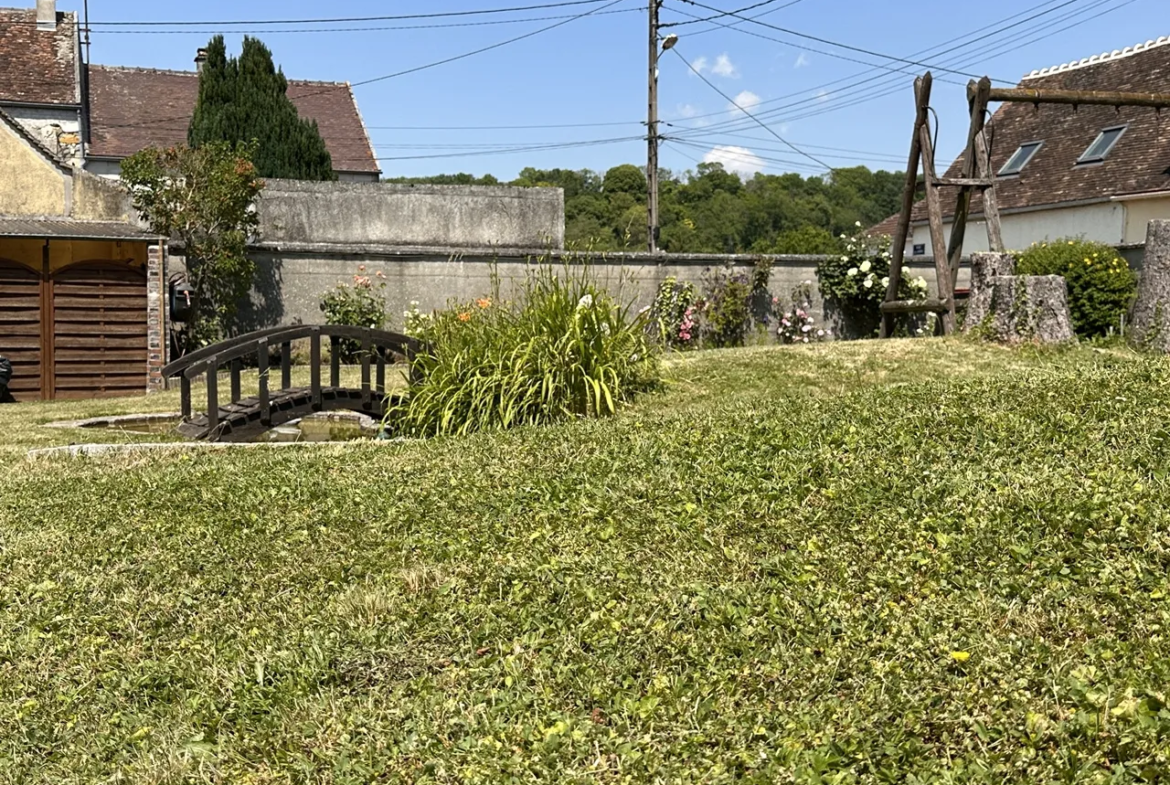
x,y
1102,145
1020,158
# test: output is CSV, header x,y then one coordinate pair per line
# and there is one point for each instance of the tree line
x,y
710,210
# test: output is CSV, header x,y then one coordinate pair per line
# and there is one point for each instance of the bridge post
x,y
265,403
185,395
285,365
213,392
367,345
334,361
315,370
380,386
236,368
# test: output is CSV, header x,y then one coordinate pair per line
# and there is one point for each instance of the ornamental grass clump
x,y
560,348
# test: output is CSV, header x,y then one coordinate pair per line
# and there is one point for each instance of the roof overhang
x,y
1143,195
65,229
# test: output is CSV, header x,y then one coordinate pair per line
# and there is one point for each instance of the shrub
x,y
727,311
674,315
796,323
1101,286
856,280
564,348
361,304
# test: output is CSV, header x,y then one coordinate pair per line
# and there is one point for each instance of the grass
x,y
928,561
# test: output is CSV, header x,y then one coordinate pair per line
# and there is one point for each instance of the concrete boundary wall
x,y
293,276
292,211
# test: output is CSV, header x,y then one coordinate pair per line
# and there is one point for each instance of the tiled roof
x,y
37,66
1139,163
70,229
135,108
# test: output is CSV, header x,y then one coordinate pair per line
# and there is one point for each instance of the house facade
x,y
81,308
1096,172
95,116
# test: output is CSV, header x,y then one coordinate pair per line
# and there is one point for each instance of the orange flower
x,y
484,302
465,316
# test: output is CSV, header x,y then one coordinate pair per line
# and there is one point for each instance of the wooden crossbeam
x,y
1030,95
964,182
915,306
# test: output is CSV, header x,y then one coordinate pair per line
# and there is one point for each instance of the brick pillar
x,y
155,317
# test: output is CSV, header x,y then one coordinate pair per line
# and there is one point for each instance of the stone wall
x,y
411,215
292,278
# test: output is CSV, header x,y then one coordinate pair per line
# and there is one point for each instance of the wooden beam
x,y
1073,97
898,252
915,306
963,182
937,238
990,201
977,97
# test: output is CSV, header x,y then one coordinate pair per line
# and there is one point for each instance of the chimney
x,y
200,59
46,14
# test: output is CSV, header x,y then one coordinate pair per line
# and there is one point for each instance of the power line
x,y
708,82
735,24
727,13
317,30
497,127
851,89
510,150
837,44
416,69
340,20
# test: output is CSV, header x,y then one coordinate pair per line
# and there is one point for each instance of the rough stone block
x,y
984,268
1150,325
1030,308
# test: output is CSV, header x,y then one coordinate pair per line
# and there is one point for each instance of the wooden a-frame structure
x,y
975,174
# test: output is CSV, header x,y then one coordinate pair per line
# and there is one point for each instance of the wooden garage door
x,y
20,328
99,331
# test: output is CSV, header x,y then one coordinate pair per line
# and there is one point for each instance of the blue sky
x,y
841,107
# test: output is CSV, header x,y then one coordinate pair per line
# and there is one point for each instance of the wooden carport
x,y
76,316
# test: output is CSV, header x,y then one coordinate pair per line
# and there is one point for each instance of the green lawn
x,y
910,561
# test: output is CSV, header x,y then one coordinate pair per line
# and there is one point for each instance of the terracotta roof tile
x,y
1138,163
135,108
37,66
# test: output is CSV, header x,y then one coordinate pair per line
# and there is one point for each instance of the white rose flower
x,y
868,283
885,282
585,302
844,258
865,266
852,272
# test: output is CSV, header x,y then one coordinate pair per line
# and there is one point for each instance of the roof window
x,y
1020,158
1102,145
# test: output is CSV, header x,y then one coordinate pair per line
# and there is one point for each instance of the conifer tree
x,y
244,99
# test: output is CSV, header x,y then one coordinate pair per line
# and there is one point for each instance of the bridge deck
x,y
242,420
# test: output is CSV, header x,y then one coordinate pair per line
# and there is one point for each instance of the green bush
x,y
564,348
727,307
674,315
856,281
1101,286
359,305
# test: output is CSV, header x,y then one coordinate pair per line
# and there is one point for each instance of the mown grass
x,y
901,562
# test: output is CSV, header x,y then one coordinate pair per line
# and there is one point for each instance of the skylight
x,y
1020,158
1102,145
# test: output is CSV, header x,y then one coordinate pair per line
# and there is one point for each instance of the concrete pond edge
x,y
113,450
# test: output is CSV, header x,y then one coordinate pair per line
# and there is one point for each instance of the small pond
x,y
323,427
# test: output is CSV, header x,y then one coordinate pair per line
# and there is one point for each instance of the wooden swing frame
x,y
975,174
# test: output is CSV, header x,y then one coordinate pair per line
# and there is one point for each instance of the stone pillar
x,y
1030,308
1150,325
985,267
156,317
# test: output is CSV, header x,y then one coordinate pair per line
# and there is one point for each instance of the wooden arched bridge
x,y
243,419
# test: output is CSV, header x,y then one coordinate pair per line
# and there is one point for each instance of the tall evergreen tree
x,y
244,99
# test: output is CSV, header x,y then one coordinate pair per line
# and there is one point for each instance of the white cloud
x,y
744,103
700,65
822,95
724,67
686,110
735,159
801,60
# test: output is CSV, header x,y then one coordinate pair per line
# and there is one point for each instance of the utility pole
x,y
652,134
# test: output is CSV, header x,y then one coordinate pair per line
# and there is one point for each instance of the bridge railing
x,y
376,345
